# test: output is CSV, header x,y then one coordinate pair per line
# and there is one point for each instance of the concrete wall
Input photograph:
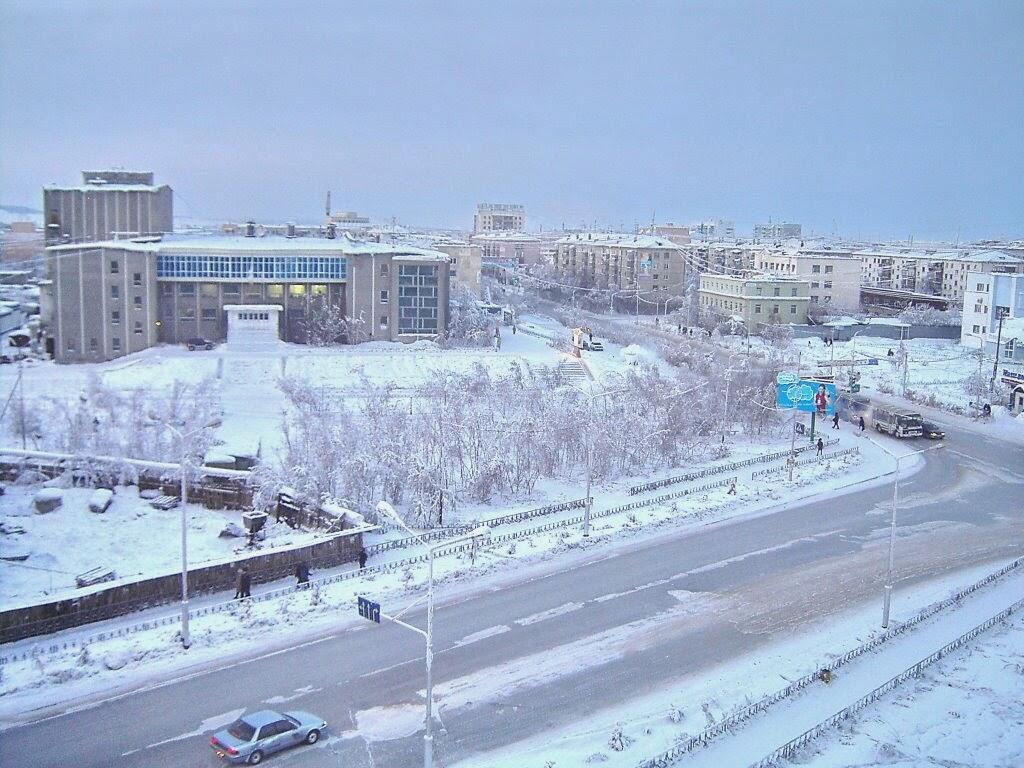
x,y
129,596
86,214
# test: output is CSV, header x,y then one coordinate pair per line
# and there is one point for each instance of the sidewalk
x,y
788,720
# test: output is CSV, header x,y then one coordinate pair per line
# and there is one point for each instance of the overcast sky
x,y
887,119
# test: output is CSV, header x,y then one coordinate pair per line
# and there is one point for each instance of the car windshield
x,y
241,730
292,720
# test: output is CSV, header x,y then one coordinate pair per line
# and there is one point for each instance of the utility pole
x,y
21,392
995,360
792,436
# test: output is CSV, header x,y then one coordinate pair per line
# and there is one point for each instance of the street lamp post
x,y
186,639
477,533
892,524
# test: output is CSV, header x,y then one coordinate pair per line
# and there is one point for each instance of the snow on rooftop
x,y
227,244
618,239
517,237
989,255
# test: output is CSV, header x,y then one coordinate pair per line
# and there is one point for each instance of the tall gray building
x,y
108,299
107,205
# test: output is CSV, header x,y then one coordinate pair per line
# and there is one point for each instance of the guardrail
x,y
730,467
804,462
730,721
790,748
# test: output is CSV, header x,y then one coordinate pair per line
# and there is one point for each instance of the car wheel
x,y
255,758
313,736
191,348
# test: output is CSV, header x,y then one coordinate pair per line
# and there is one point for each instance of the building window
x,y
977,329
167,289
417,298
137,279
792,291
275,291
188,313
318,291
115,267
138,327
383,322
92,345
828,299
757,309
209,290
232,291
815,268
383,270
115,292
815,284
384,297
137,301
792,309
71,346
828,268
775,291
187,289
775,309
115,316
296,290
115,343
814,298
209,313
828,283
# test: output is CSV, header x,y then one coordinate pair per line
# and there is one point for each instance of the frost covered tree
x,y
326,324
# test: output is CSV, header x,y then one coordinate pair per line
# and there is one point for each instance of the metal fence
x,y
730,467
790,748
743,714
804,462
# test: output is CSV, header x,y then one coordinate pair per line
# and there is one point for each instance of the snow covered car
x,y
254,736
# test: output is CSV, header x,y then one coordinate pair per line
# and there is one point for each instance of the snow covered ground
x,y
967,709
131,538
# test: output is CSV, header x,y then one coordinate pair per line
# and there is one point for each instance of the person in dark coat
x,y
821,446
362,558
835,420
246,583
238,583
301,573
860,423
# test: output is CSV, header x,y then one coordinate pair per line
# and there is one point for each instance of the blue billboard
x,y
805,395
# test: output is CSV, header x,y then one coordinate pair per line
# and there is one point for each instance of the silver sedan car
x,y
254,736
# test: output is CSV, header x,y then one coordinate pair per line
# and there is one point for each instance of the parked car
x,y
932,431
593,346
198,343
254,736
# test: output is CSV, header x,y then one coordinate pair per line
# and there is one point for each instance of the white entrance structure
x,y
253,325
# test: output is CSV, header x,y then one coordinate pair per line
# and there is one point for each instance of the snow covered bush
x,y
619,740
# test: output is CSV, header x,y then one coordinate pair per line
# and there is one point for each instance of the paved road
x,y
517,662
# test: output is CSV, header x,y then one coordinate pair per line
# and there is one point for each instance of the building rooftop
x,y
988,255
341,246
619,239
509,236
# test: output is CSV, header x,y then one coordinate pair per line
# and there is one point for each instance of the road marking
x,y
483,634
548,614
209,724
298,694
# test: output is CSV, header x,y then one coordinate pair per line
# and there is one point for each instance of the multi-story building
x,y
755,300
643,263
717,229
936,272
777,232
502,252
465,260
720,257
108,204
115,297
677,234
833,277
988,297
499,217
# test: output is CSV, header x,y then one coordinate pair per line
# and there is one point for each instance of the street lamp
x,y
892,524
186,639
480,532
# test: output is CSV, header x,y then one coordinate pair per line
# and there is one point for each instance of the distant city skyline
x,y
878,120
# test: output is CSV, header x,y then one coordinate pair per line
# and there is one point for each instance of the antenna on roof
x,y
327,209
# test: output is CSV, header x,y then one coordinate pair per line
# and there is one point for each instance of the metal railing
x,y
730,467
805,462
743,714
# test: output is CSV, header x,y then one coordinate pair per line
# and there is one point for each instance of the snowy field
x,y
131,538
967,709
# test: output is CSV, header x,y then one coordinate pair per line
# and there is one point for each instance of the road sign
x,y
369,609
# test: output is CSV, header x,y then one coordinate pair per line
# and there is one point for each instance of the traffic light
x,y
369,609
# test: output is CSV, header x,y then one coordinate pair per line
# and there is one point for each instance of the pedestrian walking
x,y
362,558
860,423
513,329
821,446
835,420
244,584
301,574
238,583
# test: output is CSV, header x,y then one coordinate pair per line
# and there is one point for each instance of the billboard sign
x,y
806,395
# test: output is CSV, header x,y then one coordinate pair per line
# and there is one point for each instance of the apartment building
x,y
989,296
507,250
755,300
466,261
677,234
499,217
713,229
111,298
106,205
644,263
936,272
720,257
777,232
833,278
